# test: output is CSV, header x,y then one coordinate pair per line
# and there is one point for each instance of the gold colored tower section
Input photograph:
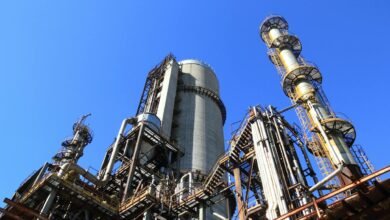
x,y
301,82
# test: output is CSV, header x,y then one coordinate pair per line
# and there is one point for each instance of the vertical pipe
x,y
182,186
267,163
147,216
202,211
86,214
49,202
137,149
229,211
115,148
283,151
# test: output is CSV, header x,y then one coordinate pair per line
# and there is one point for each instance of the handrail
x,y
334,193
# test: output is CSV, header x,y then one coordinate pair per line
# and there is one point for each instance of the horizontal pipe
x,y
79,170
327,178
288,108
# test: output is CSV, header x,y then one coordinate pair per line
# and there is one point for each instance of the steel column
x,y
133,163
240,203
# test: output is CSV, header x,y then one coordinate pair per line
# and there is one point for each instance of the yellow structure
x,y
301,81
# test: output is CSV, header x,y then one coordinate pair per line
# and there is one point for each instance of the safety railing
x,y
315,202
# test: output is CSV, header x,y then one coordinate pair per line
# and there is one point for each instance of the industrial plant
x,y
168,161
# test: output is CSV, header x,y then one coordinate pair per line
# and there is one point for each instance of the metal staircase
x,y
213,183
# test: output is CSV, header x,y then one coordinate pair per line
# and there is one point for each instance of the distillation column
x,y
199,116
181,101
72,150
300,83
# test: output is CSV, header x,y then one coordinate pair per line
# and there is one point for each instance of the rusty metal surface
x,y
24,209
338,191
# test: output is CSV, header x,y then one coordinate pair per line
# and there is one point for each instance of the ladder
x,y
272,53
362,160
320,155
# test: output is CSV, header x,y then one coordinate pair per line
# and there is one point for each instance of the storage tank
x,y
199,117
147,151
197,127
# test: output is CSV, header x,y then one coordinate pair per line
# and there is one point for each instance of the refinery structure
x,y
168,161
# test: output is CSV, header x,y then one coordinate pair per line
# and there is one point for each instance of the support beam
x,y
24,209
240,203
9,214
249,181
41,173
336,192
134,161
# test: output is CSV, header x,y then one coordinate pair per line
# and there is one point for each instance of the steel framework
x,y
266,173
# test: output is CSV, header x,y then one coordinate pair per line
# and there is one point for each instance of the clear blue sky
x,y
62,59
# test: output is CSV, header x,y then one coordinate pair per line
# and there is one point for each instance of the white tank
x,y
153,122
199,118
198,121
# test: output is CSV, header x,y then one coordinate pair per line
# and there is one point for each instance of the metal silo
x,y
199,117
197,127
185,97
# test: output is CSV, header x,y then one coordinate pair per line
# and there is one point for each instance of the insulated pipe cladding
x,y
115,148
150,119
300,83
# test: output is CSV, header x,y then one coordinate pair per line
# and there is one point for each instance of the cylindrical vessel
x,y
153,122
298,81
198,123
199,119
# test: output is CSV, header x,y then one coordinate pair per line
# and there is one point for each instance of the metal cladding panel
x,y
167,98
199,124
270,179
199,74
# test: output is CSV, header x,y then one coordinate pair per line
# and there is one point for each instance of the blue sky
x,y
62,59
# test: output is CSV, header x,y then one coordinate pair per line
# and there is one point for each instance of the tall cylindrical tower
x,y
197,127
199,116
301,82
185,97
